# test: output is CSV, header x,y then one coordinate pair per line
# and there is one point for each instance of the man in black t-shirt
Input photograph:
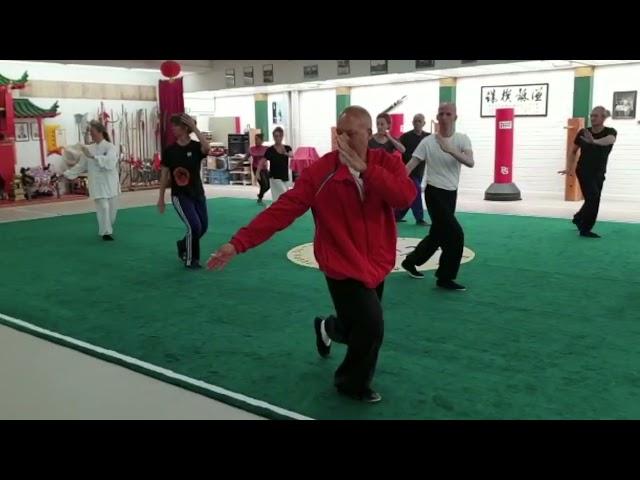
x,y
595,144
411,140
181,163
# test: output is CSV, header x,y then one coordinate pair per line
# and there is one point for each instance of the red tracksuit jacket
x,y
354,238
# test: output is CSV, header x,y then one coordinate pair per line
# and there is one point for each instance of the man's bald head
x,y
357,113
447,116
418,123
448,106
355,122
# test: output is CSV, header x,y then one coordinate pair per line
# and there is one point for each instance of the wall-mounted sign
x,y
344,67
624,104
247,74
230,77
527,100
310,71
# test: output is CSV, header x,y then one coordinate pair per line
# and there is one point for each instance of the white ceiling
x,y
188,66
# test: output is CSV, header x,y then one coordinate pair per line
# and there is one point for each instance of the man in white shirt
x,y
444,155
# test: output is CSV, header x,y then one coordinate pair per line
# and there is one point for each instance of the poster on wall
x,y
230,77
22,132
278,105
378,67
247,74
624,105
344,67
267,73
310,71
425,64
277,117
530,100
35,133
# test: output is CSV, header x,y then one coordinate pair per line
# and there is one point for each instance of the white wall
x,y
422,97
204,107
623,169
539,142
317,116
241,106
199,106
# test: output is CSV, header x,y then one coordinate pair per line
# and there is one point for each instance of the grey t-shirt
x,y
443,170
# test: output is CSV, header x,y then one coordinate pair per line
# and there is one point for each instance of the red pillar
x,y
503,188
41,134
397,124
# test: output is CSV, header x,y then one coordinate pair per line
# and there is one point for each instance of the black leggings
x,y
263,182
359,325
591,183
445,233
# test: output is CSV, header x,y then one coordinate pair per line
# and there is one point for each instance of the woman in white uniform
x,y
101,163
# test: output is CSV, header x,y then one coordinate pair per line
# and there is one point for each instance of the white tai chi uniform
x,y
104,182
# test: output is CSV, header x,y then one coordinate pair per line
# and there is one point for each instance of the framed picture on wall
x,y
425,64
22,132
247,75
267,73
230,77
344,67
624,105
379,67
530,100
310,71
35,133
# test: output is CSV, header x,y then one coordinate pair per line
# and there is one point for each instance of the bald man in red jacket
x,y
352,193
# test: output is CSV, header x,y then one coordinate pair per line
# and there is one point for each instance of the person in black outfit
x,y
181,163
278,156
382,138
411,140
595,144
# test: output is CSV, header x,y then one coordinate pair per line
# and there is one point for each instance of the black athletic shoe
x,y
450,285
589,235
182,250
371,397
367,397
576,222
422,223
195,265
323,348
260,202
402,220
108,238
411,269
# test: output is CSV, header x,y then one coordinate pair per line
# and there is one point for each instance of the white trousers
x,y
278,187
106,210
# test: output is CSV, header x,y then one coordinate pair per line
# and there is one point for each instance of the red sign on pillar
x,y
504,146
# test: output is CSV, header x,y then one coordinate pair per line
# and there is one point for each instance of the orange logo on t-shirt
x,y
181,176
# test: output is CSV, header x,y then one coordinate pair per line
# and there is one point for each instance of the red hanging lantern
x,y
170,69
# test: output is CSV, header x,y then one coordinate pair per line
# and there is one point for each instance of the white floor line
x,y
154,368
